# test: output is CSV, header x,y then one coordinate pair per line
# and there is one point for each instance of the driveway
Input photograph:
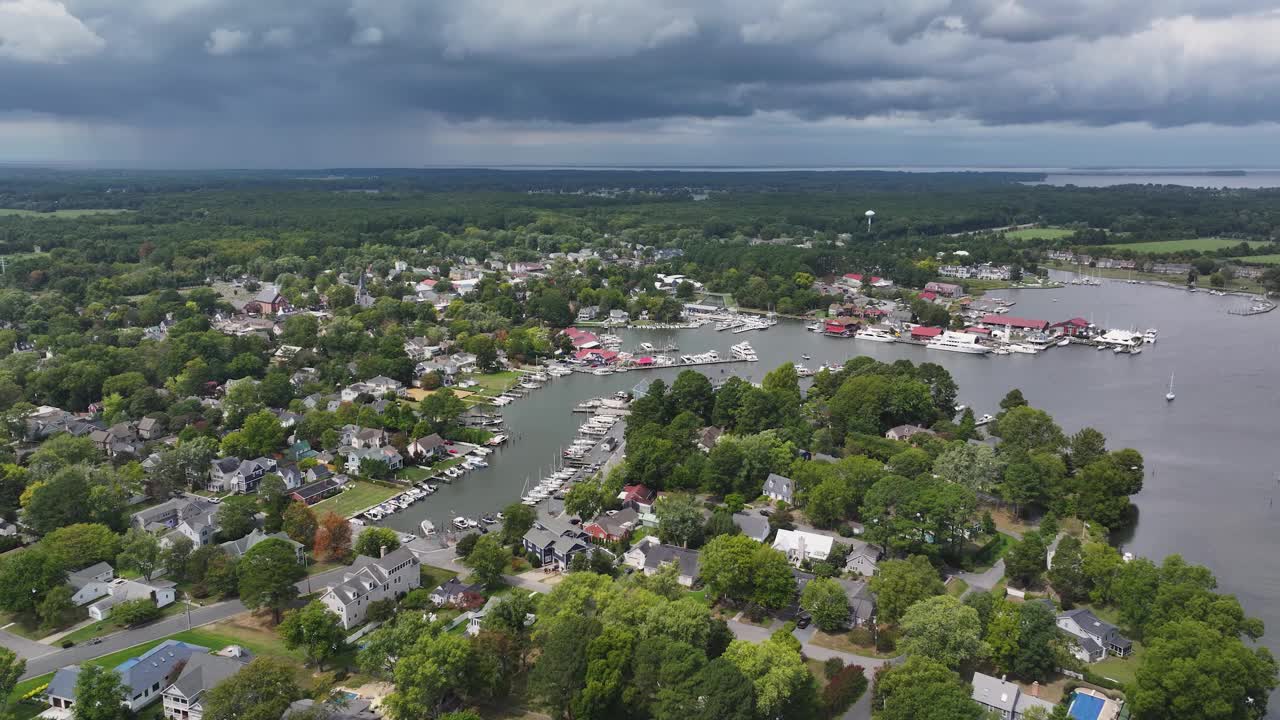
x,y
983,581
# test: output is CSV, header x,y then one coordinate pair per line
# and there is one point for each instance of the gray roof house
x,y
777,487
649,556
452,591
1106,639
144,677
89,584
1004,697
196,519
237,548
183,699
755,527
353,709
370,580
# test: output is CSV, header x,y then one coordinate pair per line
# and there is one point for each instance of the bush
x,y
466,544
887,641
132,613
845,531
843,690
381,610
832,666
535,561
862,636
418,599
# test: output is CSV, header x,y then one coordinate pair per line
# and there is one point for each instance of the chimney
x,y
1035,689
382,551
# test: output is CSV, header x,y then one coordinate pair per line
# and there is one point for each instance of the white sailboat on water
x,y
1169,395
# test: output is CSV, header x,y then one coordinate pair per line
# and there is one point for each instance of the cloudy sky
x,y
314,83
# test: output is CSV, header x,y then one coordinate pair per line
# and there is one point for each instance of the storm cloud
x,y
283,81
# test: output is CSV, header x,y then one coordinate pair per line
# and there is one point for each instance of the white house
x,y
777,487
799,545
649,556
1004,697
120,590
90,583
1095,638
373,579
194,519
144,677
862,560
184,698
388,455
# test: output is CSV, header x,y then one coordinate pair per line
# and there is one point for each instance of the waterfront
x,y
1211,473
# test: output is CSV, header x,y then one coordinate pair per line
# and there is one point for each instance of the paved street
x,y
53,658
983,581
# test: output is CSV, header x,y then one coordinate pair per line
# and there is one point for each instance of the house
x,y
231,474
452,592
427,448
799,545
184,697
357,437
269,300
237,548
649,556
1009,323
862,603
1005,698
317,473
925,333
639,497
119,439
196,519
388,455
906,432
852,280
619,316
371,580
588,313
121,590
150,428
312,493
755,527
612,526
708,438
554,542
862,559
1096,638
1075,327
944,289
91,583
144,677
291,475
779,488
347,709
363,298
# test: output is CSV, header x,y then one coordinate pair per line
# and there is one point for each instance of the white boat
x,y
1064,342
602,371
427,528
814,327
479,463
743,351
805,356
984,420
959,343
460,523
1150,336
1136,350
1169,395
1001,351
803,371
1022,349
875,334
1118,349
646,347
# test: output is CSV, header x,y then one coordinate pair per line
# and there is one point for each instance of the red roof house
x,y
921,332
1074,326
1014,323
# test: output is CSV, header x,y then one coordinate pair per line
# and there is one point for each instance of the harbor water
x,y
1210,455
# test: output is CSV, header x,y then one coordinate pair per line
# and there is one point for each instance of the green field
x,y
1174,246
1044,233
60,213
1261,259
358,496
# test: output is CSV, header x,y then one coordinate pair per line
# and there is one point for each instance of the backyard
x,y
360,494
1044,233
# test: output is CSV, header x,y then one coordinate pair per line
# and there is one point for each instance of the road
x,y
39,663
983,581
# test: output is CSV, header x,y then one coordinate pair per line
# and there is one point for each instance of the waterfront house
x,y
453,592
427,449
143,677
906,432
944,289
388,455
196,519
89,584
588,313
639,497
1095,638
649,555
312,493
184,697
612,526
1004,698
159,592
799,545
924,333
551,548
779,488
1009,323
237,548
371,580
1075,327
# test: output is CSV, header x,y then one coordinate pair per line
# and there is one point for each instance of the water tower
x,y
870,214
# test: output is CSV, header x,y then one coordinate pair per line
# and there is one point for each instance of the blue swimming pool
x,y
1085,707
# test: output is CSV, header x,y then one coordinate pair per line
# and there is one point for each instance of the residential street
x,y
983,581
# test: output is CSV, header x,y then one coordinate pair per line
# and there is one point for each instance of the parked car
x,y
803,620
765,512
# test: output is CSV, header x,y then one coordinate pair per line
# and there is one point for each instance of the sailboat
x,y
1169,395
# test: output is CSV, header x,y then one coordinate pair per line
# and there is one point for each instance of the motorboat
x,y
985,419
646,347
427,528
1169,395
488,519
1001,351
803,371
814,327
1023,349
499,516
479,463
875,334
743,351
460,523
1064,342
806,356
1150,336
602,371
958,343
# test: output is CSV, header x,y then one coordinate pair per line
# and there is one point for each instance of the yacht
x,y
1150,336
958,342
984,420
743,351
427,528
803,371
814,327
875,334
646,347
1169,395
1023,349
1001,351
602,371
460,523
1064,342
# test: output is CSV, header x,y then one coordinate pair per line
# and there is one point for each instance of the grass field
x,y
956,587
1123,670
61,213
1208,244
1044,233
1261,259
358,496
496,383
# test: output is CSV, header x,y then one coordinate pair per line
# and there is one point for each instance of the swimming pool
x,y
1085,707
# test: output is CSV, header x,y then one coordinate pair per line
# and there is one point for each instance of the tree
x,y
692,392
1004,636
174,558
333,538
1100,563
267,574
1192,671
974,466
1027,428
943,629
922,689
517,519
1086,447
275,500
316,631
486,352
140,551
26,576
55,607
81,545
1040,644
585,499
236,517
1013,399
1024,563
11,669
374,541
263,690
608,658
777,673
100,695
132,613
773,585
1066,574
719,691
300,523
829,503
826,601
487,560
59,501
560,673
903,583
679,519
263,433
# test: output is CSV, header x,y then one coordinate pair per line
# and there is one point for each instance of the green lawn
x,y
956,587
61,213
358,496
433,576
700,596
1261,259
414,474
28,626
107,627
1122,670
1209,244
1044,233
495,383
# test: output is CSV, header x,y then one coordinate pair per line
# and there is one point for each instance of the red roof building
x,y
985,332
921,332
596,355
927,295
581,338
1014,323
1074,326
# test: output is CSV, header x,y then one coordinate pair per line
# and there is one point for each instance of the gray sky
x,y
314,83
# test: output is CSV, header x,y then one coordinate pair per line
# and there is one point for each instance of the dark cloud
x,y
361,65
